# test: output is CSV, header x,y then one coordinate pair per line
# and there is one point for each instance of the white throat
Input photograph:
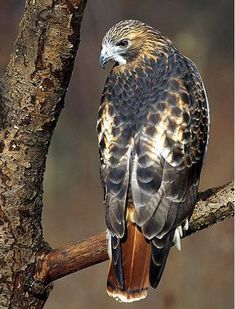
x,y
119,59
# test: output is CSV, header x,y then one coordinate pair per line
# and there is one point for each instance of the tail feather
x,y
159,257
117,260
135,257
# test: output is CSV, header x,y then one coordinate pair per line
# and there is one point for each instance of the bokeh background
x,y
202,275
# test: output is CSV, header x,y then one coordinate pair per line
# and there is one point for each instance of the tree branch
x,y
213,206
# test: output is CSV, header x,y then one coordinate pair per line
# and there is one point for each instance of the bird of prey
x,y
153,128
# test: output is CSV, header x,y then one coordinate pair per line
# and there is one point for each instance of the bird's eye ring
x,y
122,43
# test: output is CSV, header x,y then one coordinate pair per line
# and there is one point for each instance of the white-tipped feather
x,y
176,239
124,299
186,225
180,231
179,234
109,247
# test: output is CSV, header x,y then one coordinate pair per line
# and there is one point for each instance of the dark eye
x,y
122,43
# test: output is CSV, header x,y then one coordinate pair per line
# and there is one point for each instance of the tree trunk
x,y
32,96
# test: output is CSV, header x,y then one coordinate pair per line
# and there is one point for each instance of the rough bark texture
x,y
213,206
32,96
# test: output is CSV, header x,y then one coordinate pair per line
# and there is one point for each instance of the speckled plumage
x,y
153,128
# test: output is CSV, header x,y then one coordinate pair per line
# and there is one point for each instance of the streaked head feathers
x,y
128,39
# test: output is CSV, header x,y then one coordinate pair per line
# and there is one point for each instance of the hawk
x,y
153,128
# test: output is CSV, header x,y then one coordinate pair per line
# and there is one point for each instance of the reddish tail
x,y
136,254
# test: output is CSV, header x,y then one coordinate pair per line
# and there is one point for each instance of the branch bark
x,y
32,95
213,206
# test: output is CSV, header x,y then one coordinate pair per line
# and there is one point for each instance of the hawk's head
x,y
128,39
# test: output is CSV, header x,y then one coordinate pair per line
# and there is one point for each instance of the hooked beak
x,y
102,60
111,54
105,56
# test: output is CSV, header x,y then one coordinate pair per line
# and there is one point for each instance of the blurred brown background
x,y
202,275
